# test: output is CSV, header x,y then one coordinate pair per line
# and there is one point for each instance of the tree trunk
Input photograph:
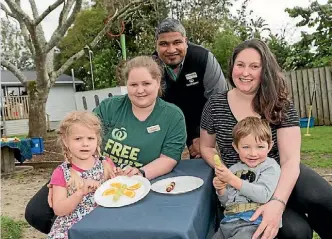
x,y
37,112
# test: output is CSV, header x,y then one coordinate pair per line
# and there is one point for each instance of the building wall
x,y
17,127
21,127
61,100
87,100
54,125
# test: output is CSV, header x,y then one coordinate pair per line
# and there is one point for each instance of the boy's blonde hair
x,y
89,120
252,125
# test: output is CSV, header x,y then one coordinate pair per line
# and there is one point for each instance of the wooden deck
x,y
15,107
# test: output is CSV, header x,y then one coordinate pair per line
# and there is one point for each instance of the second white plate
x,y
183,184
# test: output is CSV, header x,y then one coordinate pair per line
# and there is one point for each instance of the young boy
x,y
248,184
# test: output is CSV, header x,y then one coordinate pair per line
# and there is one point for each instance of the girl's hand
x,y
272,214
224,174
131,171
111,173
88,186
118,171
109,167
91,184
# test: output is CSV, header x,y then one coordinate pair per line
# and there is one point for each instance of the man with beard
x,y
191,75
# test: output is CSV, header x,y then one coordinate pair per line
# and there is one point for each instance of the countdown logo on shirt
x,y
119,134
120,153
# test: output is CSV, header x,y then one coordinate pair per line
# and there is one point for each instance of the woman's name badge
x,y
154,128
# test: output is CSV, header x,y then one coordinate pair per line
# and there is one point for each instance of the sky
x,y
270,10
273,11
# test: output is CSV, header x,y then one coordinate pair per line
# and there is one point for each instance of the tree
x,y
223,46
79,36
13,46
43,50
300,54
138,30
257,27
316,46
280,48
201,18
247,27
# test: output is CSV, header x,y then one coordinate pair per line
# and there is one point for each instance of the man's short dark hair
x,y
170,25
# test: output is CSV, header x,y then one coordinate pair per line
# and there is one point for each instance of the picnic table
x,y
158,216
11,150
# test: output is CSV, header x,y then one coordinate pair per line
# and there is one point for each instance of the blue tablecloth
x,y
22,149
158,216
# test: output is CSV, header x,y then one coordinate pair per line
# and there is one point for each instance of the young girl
x,y
76,179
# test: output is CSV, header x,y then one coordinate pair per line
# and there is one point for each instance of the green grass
x,y
11,229
316,150
319,141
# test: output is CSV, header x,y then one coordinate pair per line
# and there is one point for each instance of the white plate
x,y
107,201
183,184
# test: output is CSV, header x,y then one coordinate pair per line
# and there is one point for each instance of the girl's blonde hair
x,y
92,122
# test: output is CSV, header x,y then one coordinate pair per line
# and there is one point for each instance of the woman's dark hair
x,y
271,100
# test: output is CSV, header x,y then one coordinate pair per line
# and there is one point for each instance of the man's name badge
x,y
154,128
192,79
191,76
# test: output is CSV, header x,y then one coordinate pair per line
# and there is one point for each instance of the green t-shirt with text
x,y
128,141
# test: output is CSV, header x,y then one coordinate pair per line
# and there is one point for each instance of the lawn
x,y
316,149
11,229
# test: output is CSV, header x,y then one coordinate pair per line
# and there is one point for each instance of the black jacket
x,y
187,92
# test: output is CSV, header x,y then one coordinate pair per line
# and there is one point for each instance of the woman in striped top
x,y
260,90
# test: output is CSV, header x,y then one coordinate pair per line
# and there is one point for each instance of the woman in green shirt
x,y
142,134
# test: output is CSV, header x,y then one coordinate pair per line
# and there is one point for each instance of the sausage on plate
x,y
170,187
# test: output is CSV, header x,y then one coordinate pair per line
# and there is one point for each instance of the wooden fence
x,y
303,83
15,107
